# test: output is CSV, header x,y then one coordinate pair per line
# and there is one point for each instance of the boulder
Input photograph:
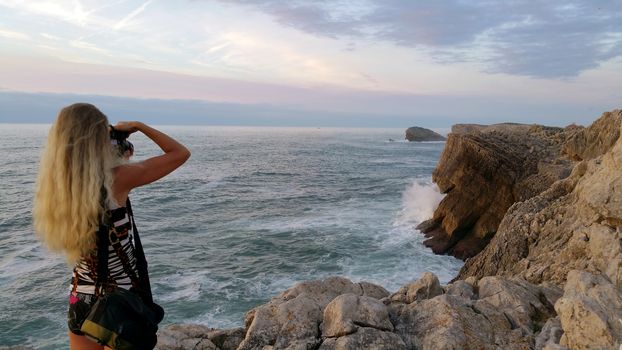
x,y
348,312
365,338
524,304
590,312
550,335
427,286
483,171
461,289
501,312
292,319
416,133
450,322
193,336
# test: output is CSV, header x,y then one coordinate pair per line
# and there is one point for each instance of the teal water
x,y
254,211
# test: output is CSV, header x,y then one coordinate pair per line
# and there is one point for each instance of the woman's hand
x,y
129,127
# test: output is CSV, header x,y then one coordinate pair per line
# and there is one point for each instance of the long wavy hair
x,y
74,174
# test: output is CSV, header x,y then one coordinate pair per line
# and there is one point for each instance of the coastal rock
x,y
483,171
501,312
574,225
461,289
450,322
524,304
595,140
590,312
365,338
498,313
416,133
348,312
550,335
193,336
292,319
427,286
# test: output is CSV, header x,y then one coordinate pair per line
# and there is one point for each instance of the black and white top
x,y
121,237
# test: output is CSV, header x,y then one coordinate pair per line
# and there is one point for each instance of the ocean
x,y
254,211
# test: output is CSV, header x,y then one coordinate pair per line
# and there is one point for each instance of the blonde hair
x,y
76,166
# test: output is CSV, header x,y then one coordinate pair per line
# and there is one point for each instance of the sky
x,y
379,63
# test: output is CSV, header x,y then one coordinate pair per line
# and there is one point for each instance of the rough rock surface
x,y
575,224
494,312
483,171
348,312
498,313
292,319
427,286
416,133
192,336
590,312
595,140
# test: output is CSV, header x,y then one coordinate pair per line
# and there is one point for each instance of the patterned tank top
x,y
85,271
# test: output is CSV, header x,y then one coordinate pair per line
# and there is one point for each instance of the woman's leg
x,y
81,342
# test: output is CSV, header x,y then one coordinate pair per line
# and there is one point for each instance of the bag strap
x,y
140,282
141,261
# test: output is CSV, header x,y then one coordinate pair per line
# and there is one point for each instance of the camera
x,y
120,142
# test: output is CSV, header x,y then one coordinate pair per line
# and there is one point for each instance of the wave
x,y
419,200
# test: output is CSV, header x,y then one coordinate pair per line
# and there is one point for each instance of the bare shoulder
x,y
123,183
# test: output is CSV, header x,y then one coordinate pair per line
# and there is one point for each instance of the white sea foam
x,y
418,202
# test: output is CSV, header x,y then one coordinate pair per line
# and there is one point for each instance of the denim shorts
x,y
79,307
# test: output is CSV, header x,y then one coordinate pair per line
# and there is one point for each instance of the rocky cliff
x,y
575,224
550,278
484,170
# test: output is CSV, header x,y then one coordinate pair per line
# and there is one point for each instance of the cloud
x,y
125,20
540,39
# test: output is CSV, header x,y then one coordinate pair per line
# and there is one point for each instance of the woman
x,y
83,177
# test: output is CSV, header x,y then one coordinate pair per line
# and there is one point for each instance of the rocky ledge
x,y
489,313
538,213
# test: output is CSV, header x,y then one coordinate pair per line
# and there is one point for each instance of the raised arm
x,y
129,176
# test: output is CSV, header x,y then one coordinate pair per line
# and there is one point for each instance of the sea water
x,y
253,212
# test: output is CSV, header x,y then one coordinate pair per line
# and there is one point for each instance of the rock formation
x,y
550,278
483,171
493,312
416,133
575,224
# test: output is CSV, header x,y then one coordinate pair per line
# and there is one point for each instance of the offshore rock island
x,y
419,134
535,211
